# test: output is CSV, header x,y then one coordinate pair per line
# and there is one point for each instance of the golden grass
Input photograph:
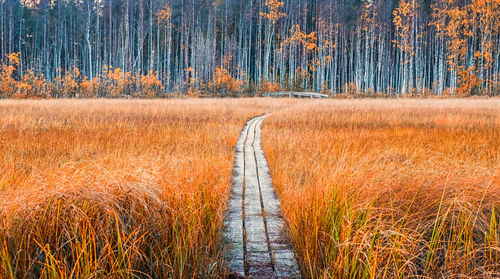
x,y
118,189
390,188
369,188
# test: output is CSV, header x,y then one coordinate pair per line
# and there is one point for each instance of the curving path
x,y
257,245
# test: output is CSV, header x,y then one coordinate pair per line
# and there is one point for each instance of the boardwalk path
x,y
254,227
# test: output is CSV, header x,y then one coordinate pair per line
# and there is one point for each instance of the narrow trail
x,y
257,246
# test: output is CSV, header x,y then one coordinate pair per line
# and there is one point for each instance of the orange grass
x,y
390,188
115,188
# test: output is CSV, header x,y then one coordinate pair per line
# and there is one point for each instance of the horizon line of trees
x,y
145,48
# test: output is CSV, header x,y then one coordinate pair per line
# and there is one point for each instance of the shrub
x,y
32,85
149,85
223,83
269,86
7,82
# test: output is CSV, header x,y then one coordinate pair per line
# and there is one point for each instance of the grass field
x,y
116,188
369,188
390,189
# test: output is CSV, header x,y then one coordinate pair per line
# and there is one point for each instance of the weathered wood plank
x,y
255,233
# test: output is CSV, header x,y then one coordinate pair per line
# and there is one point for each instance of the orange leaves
x,y
273,14
460,23
224,83
149,84
299,37
117,82
469,82
67,84
269,86
31,85
111,83
7,82
13,58
163,16
401,13
88,88
404,17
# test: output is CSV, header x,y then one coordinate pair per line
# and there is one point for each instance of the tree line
x,y
150,48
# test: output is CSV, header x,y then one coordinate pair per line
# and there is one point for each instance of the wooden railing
x,y
295,94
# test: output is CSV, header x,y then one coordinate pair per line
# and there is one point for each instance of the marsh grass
x,y
116,189
138,189
390,189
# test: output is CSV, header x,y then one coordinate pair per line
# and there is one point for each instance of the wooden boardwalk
x,y
295,94
257,244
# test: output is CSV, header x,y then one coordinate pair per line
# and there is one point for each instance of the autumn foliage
x,y
7,81
269,86
112,82
223,83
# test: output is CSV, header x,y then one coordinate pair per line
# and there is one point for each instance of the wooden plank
x,y
257,242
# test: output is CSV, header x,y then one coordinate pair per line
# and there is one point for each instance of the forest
x,y
153,48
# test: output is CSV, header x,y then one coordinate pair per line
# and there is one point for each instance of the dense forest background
x,y
98,48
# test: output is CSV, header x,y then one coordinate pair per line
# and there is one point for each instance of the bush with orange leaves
x,y
67,84
269,86
117,82
469,82
149,85
89,88
223,83
31,86
7,82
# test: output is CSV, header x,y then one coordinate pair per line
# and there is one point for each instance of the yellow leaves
x,y
273,14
